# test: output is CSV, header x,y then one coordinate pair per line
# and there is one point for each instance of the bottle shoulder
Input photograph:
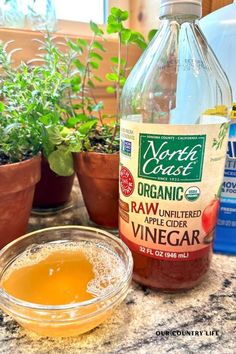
x,y
177,81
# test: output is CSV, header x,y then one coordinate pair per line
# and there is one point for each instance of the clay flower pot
x,y
17,184
98,176
52,191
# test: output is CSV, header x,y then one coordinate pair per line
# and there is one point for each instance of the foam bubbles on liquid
x,y
107,266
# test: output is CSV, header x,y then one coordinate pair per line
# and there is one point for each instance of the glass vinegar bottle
x,y
174,126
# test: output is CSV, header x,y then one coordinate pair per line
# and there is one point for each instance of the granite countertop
x,y
202,320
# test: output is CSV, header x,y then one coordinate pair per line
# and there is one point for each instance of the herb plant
x,y
88,116
36,105
49,103
20,137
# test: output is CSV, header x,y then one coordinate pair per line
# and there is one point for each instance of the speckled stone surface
x,y
136,326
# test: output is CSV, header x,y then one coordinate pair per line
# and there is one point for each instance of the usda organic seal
x,y
192,193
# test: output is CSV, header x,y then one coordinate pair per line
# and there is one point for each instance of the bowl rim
x,y
96,300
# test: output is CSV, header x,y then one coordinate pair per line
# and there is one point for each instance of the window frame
x,y
82,28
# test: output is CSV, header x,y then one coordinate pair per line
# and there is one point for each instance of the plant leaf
x,y
80,66
97,78
61,162
76,146
82,42
95,56
79,118
86,127
54,134
124,15
94,64
116,12
112,77
125,35
95,29
2,106
71,122
119,15
90,83
98,45
98,107
114,28
110,89
75,47
152,34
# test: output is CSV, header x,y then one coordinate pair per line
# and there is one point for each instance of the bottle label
x,y
169,181
227,216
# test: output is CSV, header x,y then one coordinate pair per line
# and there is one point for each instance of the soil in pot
x,y
52,191
17,185
98,176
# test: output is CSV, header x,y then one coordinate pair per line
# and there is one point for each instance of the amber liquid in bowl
x,y
63,274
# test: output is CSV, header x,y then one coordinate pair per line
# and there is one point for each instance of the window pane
x,y
80,10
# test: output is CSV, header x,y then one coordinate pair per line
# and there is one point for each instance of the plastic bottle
x,y
220,30
171,148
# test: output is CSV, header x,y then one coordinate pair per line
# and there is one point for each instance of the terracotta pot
x,y
17,184
98,176
52,191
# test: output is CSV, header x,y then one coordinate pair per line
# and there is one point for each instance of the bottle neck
x,y
180,19
185,9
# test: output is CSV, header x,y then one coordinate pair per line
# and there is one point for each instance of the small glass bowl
x,y
75,318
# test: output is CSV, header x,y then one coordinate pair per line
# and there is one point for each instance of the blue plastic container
x,y
220,30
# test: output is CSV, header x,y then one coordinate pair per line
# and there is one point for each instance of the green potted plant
x,y
20,146
49,92
97,166
40,89
58,97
